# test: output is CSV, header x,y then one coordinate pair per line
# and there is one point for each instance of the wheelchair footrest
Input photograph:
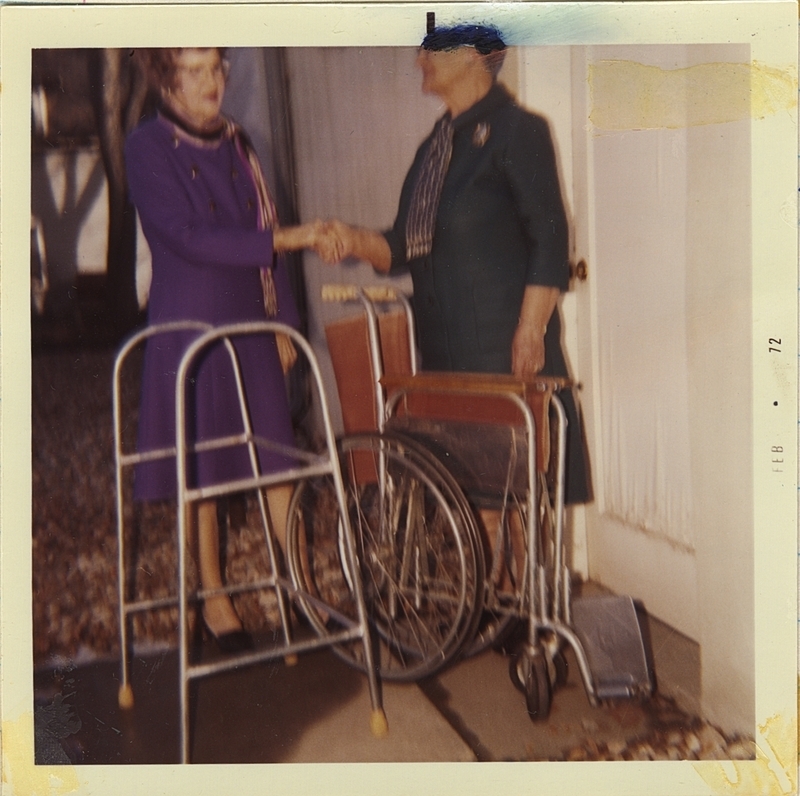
x,y
616,647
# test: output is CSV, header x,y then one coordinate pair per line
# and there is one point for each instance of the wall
x,y
358,116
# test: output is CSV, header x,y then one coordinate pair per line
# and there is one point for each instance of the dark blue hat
x,y
484,38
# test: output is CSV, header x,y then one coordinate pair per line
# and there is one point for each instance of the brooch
x,y
481,134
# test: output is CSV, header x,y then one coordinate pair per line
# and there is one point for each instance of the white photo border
x,y
769,28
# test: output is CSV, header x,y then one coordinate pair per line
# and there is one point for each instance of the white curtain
x,y
641,280
358,117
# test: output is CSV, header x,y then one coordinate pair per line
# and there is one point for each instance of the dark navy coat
x,y
501,226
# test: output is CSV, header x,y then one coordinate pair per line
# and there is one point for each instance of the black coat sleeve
x,y
532,174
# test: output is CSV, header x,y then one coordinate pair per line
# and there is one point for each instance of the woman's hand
x,y
286,352
527,352
527,347
339,240
334,242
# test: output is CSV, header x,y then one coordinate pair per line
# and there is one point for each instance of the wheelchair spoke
x,y
416,557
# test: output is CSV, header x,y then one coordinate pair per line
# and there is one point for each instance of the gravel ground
x,y
671,735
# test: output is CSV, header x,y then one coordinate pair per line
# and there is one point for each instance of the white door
x,y
662,192
630,228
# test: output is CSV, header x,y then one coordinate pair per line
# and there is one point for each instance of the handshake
x,y
332,240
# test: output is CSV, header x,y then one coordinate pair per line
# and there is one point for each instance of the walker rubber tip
x,y
378,724
290,660
125,697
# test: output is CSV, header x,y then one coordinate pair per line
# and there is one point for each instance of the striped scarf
x,y
267,212
424,206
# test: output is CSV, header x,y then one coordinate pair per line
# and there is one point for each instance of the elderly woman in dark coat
x,y
481,227
215,241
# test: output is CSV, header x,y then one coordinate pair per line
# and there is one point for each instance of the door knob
x,y
579,270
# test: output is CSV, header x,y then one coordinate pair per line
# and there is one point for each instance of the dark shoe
x,y
237,512
232,642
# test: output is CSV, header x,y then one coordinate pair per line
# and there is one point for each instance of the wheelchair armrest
x,y
473,383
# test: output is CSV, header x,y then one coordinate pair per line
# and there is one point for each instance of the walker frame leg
x,y
308,464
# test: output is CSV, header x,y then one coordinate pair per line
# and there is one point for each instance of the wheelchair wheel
x,y
528,672
419,563
561,670
465,514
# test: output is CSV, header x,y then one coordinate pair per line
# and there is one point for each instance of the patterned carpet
x,y
75,585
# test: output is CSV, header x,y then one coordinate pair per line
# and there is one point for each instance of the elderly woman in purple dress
x,y
216,247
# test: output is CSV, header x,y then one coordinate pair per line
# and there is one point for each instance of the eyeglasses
x,y
197,73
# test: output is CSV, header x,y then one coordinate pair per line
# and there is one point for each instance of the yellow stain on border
x,y
20,775
626,95
773,772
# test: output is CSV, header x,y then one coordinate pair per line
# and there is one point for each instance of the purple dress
x,y
197,203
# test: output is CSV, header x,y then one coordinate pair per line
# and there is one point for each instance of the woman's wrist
x,y
302,236
279,239
313,233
